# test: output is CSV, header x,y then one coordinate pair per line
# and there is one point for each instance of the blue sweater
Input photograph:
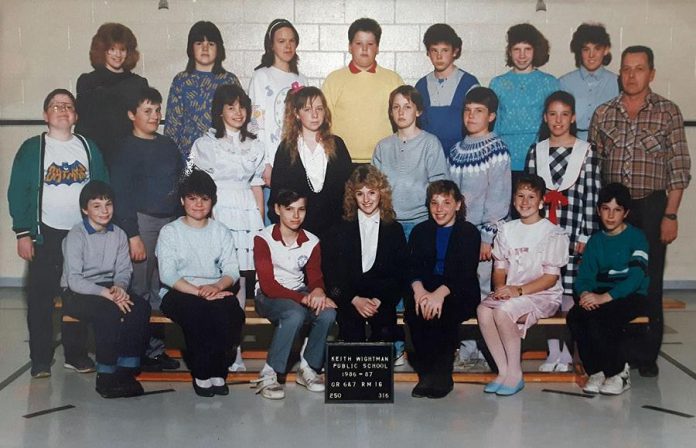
x,y
521,99
445,122
144,176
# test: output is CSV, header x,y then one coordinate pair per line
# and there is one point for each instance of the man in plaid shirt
x,y
640,140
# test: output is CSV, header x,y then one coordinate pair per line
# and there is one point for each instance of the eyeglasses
x,y
62,107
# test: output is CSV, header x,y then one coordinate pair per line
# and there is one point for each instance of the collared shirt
x,y
354,69
441,90
648,153
314,162
91,230
369,237
590,89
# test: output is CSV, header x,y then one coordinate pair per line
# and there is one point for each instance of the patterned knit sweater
x,y
481,168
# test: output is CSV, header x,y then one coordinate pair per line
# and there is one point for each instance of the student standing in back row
x,y
521,93
191,93
443,90
357,95
270,84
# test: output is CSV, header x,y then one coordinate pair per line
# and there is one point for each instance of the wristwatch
x,y
519,291
671,216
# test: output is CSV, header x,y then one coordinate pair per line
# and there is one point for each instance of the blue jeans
x,y
288,317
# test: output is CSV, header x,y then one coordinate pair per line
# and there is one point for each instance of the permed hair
x,y
149,94
286,197
54,93
95,189
527,33
372,178
108,35
198,183
410,93
441,33
640,49
561,97
227,95
590,33
446,188
365,25
619,192
292,126
268,57
199,32
531,182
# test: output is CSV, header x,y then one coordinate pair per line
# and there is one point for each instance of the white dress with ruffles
x,y
526,252
235,166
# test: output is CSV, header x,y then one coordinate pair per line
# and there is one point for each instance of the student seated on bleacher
x,y
443,258
96,274
290,293
363,259
610,291
528,255
198,267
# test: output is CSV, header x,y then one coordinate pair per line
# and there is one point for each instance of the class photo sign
x,y
359,373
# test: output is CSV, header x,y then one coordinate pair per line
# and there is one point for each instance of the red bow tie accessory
x,y
555,199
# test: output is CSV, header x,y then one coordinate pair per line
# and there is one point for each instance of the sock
x,y
238,360
266,371
303,362
554,350
241,294
205,384
217,381
467,349
565,356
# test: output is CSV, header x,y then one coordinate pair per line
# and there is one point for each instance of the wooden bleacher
x,y
252,319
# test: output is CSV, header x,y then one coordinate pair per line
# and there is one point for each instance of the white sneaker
x,y
269,387
563,367
400,360
616,385
308,378
594,382
548,365
237,367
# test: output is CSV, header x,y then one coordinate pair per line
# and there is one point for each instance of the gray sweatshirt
x,y
92,257
410,166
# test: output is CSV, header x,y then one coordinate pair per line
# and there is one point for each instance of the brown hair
x,y
107,36
292,127
527,33
446,188
370,177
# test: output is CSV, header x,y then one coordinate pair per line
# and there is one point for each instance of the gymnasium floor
x,y
466,418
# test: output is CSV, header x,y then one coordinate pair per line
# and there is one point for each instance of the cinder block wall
x,y
45,44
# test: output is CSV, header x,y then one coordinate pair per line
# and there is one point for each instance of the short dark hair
x,y
446,188
286,197
619,192
53,93
640,49
107,36
590,33
563,97
366,25
441,33
95,189
268,58
483,95
199,32
149,94
533,182
198,183
527,33
228,94
410,93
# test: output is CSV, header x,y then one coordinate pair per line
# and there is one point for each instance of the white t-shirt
x,y
268,88
65,172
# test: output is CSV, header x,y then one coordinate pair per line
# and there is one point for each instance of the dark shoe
x,y
220,390
158,363
40,371
442,386
649,370
108,385
129,385
81,365
203,391
148,364
420,391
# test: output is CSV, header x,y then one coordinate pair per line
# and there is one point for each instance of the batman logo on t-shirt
x,y
66,174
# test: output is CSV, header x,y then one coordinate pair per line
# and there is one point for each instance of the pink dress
x,y
526,252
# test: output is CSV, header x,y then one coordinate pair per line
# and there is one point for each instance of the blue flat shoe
x,y
492,387
506,391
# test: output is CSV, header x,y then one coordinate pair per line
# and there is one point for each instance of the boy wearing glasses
x,y
47,176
